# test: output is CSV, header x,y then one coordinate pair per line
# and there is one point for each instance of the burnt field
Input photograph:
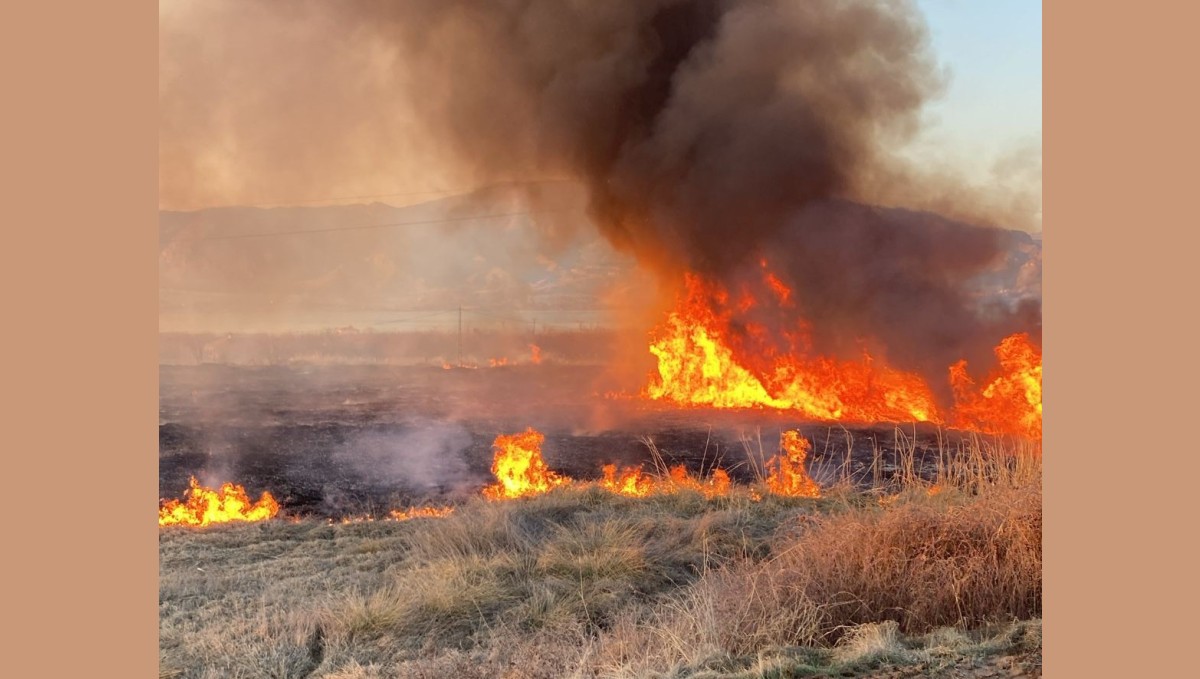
x,y
335,441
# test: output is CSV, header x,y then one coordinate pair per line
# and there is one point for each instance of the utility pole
x,y
460,336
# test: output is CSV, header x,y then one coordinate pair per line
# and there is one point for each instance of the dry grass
x,y
584,583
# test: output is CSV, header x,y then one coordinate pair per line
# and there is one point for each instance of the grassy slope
x,y
583,583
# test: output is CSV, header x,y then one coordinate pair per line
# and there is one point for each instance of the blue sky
x,y
993,50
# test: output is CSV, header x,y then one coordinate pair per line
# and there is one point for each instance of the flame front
x,y
698,366
1011,400
520,471
786,474
519,468
206,506
420,513
634,482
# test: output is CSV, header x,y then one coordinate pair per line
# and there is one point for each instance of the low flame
x,y
206,506
535,354
1011,400
519,468
520,471
420,513
633,482
786,473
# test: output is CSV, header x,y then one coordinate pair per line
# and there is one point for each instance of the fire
x,y
717,485
535,354
698,366
497,362
519,468
786,473
634,482
1011,401
706,359
420,513
205,506
520,471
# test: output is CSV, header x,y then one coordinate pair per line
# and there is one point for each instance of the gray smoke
x,y
708,134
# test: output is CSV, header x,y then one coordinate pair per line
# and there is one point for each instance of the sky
x,y
993,51
986,126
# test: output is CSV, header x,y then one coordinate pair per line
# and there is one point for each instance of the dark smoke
x,y
708,133
699,127
895,282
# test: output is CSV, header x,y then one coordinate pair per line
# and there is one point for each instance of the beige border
x,y
79,278
80,323
1120,120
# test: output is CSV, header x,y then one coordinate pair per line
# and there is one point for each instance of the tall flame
x,y
1011,400
519,468
697,366
786,473
205,506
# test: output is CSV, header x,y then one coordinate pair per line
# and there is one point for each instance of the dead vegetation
x,y
918,576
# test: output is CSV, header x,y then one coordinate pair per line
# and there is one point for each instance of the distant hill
x,y
307,268
303,267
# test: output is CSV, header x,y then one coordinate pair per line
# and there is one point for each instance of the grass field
x,y
910,577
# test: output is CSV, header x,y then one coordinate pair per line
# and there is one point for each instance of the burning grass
x,y
706,357
204,506
581,581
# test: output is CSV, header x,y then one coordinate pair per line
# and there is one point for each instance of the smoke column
x,y
708,134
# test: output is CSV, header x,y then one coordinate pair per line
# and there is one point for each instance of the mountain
x,y
511,251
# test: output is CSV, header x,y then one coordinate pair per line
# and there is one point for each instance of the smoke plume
x,y
708,134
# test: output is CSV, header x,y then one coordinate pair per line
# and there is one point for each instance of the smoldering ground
x,y
427,454
368,439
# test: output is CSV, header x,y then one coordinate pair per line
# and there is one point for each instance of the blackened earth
x,y
334,441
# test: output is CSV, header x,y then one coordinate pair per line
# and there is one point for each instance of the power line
x,y
314,201
335,199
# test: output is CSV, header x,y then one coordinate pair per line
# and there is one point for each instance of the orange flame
x,y
519,468
520,471
420,513
205,506
497,362
535,354
633,482
786,473
697,366
1011,401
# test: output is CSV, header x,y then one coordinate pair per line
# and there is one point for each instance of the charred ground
x,y
334,441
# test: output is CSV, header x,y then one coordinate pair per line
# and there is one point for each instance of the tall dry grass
x,y
584,583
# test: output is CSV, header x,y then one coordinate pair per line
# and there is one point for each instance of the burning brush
x,y
521,471
205,506
708,355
